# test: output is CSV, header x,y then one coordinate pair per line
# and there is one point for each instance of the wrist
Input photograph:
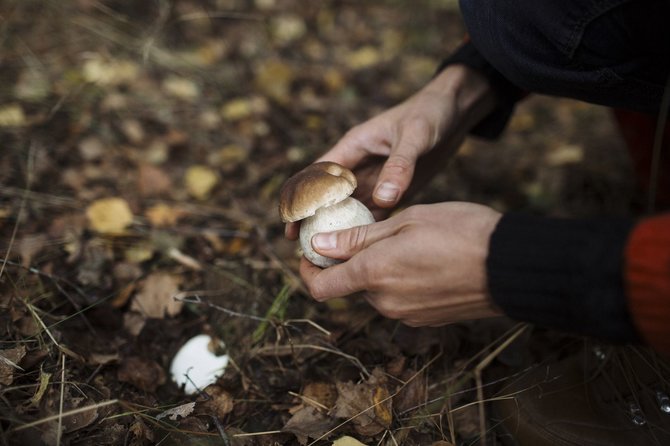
x,y
469,90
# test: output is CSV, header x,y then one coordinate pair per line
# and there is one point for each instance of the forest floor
x,y
142,146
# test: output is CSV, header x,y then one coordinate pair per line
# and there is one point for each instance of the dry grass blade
x,y
66,414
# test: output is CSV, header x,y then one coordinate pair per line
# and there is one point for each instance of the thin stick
x,y
59,430
478,379
22,207
65,414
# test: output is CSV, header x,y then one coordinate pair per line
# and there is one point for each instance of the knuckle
x,y
356,237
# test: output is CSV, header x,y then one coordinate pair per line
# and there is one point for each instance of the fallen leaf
x,y
367,404
274,78
12,116
9,363
288,27
220,402
108,72
181,88
162,215
143,373
109,215
30,245
153,181
200,180
45,379
155,297
308,422
347,441
91,148
363,58
177,412
139,252
236,109
323,393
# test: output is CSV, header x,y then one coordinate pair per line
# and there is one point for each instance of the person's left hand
x,y
425,266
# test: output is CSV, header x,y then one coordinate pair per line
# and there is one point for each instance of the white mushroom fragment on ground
x,y
319,195
195,366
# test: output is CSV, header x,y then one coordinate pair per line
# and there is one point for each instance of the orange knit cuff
x,y
647,274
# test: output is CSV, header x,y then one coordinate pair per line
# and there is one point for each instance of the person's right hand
x,y
383,151
415,136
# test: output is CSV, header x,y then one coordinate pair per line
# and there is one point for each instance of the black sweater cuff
x,y
507,93
563,274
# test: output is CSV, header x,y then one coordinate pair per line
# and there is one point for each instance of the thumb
x,y
345,243
398,170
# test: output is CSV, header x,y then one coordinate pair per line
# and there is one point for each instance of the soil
x,y
143,145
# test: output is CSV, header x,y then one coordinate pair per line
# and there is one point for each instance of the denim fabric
x,y
609,52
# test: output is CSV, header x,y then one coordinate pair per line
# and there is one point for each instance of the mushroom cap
x,y
317,185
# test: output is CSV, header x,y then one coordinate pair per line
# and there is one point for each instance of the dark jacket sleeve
x,y
562,273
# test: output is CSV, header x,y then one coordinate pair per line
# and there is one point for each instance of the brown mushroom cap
x,y
317,185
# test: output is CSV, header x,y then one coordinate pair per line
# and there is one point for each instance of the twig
x,y
478,378
59,430
64,414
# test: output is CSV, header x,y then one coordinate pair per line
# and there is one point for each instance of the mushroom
x,y
319,195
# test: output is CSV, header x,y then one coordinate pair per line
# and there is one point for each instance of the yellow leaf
x,y
181,88
288,27
12,116
109,215
347,441
237,109
274,78
200,180
362,58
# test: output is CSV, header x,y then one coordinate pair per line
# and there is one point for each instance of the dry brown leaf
x,y
30,245
307,423
143,373
411,396
367,404
323,393
109,216
162,215
220,402
9,363
155,297
153,181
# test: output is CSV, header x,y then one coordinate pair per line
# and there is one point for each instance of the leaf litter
x,y
143,148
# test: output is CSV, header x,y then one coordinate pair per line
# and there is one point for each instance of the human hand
x,y
383,151
425,266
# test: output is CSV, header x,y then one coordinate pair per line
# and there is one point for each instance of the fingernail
x,y
324,241
387,192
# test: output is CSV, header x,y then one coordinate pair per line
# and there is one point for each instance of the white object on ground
x,y
195,366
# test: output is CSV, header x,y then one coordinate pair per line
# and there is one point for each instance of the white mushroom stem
x,y
348,213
